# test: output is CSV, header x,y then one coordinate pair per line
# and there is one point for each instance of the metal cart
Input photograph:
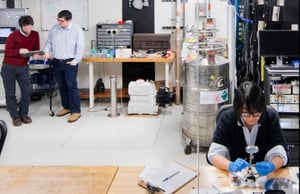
x,y
42,81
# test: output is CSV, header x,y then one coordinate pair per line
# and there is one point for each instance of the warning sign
x,y
213,97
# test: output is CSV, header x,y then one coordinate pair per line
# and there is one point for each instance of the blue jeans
x,y
66,77
12,75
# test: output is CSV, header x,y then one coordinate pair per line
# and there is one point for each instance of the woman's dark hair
x,y
25,20
65,14
250,95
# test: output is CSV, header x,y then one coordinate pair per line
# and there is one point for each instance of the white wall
x,y
111,11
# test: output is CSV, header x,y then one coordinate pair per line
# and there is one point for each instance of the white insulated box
x,y
142,97
141,88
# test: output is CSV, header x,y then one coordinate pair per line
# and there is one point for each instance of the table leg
x,y
167,75
91,84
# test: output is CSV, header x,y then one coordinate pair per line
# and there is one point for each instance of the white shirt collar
x,y
26,35
250,137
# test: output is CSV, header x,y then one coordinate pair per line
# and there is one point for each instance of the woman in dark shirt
x,y
248,122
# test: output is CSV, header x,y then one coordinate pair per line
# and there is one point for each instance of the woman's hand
x,y
238,165
264,168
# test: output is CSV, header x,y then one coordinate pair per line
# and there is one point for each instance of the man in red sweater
x,y
15,69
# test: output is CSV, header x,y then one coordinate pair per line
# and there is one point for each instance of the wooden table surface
x,y
99,179
56,179
155,59
126,181
127,178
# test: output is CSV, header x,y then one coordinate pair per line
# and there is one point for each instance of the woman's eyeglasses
x,y
248,115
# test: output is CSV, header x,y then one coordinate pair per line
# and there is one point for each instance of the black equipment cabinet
x,y
281,89
292,139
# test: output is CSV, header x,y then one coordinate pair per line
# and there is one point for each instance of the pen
x,y
167,178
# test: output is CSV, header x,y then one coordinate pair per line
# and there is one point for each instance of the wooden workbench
x,y
99,179
91,60
56,179
127,178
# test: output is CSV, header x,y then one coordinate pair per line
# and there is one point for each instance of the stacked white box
x,y
123,53
142,98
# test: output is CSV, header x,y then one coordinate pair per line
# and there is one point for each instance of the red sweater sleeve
x,y
15,42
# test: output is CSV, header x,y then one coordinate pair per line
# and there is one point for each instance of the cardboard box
x,y
123,53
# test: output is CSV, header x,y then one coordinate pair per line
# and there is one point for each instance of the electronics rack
x,y
113,35
281,89
254,15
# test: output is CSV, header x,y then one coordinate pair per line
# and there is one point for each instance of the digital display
x,y
5,32
273,43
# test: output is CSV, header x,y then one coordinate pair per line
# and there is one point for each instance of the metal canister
x,y
205,88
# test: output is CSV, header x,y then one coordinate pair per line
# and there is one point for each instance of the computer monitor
x,y
5,32
274,43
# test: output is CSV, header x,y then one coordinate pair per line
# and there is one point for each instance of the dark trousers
x,y
12,75
66,77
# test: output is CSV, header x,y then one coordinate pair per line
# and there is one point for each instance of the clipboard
x,y
168,179
31,53
144,185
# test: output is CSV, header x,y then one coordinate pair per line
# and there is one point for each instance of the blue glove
x,y
238,165
264,168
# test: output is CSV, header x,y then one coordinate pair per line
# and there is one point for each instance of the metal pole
x,y
113,97
178,51
231,34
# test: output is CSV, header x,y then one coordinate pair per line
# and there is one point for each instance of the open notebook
x,y
168,179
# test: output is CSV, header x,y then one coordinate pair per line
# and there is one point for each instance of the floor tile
x,y
96,139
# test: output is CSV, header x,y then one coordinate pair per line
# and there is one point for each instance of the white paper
x,y
178,175
293,173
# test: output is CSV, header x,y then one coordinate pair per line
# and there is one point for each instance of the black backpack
x,y
99,87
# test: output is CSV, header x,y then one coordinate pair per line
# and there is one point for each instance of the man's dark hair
x,y
65,14
25,20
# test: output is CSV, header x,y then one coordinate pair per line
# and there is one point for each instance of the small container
x,y
93,48
235,180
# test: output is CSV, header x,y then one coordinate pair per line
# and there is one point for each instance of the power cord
x,y
94,109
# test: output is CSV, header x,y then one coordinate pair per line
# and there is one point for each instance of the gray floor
x,y
96,139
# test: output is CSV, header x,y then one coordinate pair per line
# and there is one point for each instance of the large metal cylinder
x,y
113,97
205,88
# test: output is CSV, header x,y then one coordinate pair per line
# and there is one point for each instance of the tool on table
x,y
251,149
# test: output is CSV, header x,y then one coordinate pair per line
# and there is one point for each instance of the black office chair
x,y
3,133
222,109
